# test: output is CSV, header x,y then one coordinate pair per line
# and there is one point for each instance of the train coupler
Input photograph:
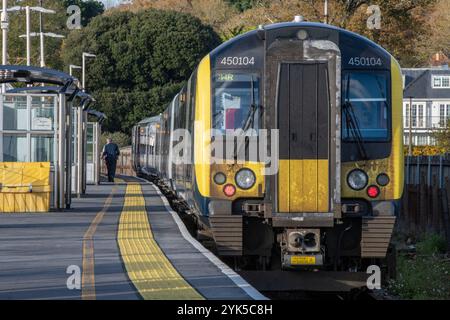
x,y
300,248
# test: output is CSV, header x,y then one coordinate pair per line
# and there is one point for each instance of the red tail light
x,y
229,190
373,191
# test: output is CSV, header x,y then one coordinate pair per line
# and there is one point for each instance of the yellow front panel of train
x,y
303,186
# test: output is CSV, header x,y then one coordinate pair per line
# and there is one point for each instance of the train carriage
x,y
328,103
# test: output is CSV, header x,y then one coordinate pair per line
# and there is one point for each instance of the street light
x,y
42,35
28,25
84,56
410,126
72,66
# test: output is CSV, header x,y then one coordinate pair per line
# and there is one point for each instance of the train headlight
x,y
220,178
245,179
357,179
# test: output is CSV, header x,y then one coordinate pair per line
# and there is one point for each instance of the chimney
x,y
440,60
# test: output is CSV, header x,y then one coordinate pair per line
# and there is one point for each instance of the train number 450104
x,y
365,61
237,61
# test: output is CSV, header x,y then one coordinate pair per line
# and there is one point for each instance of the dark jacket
x,y
110,151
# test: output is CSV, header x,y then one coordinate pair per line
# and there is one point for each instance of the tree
x,y
243,5
437,21
402,22
143,59
119,138
442,138
211,12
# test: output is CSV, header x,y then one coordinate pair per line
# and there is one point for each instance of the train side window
x,y
366,107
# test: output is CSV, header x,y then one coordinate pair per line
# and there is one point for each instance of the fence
x,y
425,203
123,163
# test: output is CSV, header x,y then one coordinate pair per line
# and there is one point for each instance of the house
x,y
428,91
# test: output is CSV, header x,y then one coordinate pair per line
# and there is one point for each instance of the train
x,y
286,147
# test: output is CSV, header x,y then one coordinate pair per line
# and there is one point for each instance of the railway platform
x,y
118,241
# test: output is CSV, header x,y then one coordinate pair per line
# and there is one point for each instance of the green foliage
x,y
243,5
89,9
431,244
119,138
425,276
442,138
142,60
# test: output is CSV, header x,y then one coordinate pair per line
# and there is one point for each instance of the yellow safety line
x,y
148,268
88,276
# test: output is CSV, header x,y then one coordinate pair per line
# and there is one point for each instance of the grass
x,y
425,275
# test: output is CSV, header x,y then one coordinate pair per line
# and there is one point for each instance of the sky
x,y
112,3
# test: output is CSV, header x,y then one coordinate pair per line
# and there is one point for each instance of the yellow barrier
x,y
25,186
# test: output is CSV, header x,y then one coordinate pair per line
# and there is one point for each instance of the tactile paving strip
x,y
148,268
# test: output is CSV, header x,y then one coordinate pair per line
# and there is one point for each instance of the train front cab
x,y
335,98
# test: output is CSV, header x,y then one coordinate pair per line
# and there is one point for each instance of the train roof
x,y
150,120
365,42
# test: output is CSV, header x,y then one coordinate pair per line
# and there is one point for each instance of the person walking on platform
x,y
110,154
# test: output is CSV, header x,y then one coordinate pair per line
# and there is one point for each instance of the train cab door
x,y
302,98
304,139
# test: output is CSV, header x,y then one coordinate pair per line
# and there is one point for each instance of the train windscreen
x,y
236,99
365,106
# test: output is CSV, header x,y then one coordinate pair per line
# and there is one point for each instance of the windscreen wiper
x,y
352,124
249,120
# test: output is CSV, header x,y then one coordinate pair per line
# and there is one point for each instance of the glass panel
x,y
420,116
445,82
42,113
14,148
14,112
234,95
437,82
42,148
365,106
90,143
407,116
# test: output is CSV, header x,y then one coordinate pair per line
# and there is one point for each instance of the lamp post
x,y
71,67
28,9
410,126
5,26
325,10
42,35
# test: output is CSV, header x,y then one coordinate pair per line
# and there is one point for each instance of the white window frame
x,y
440,80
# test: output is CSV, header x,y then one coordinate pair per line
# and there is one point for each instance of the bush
x,y
431,244
120,138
